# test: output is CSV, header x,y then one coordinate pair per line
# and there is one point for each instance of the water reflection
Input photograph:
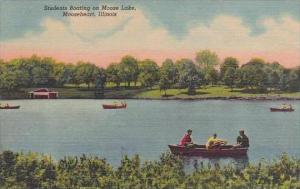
x,y
194,163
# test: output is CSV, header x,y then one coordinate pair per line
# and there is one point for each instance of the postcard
x,y
149,94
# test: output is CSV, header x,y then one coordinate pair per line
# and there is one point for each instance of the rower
x,y
242,140
187,139
214,142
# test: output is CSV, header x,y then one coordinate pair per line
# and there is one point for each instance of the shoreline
x,y
209,93
210,98
261,98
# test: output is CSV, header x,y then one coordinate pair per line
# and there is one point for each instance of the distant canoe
x,y
282,109
201,150
9,107
114,106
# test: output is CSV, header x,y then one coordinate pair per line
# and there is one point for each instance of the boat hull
x,y
200,150
10,107
110,106
281,110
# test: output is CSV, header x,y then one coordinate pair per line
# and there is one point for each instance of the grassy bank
x,y
216,91
19,170
210,92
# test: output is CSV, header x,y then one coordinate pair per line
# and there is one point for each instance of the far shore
x,y
232,98
219,98
205,93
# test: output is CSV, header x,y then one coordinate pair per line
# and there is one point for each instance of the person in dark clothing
x,y
242,140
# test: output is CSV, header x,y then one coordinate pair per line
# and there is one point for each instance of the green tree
x,y
149,73
100,81
207,59
256,62
2,63
253,75
274,79
229,62
113,74
189,76
211,76
164,83
129,70
25,67
86,73
73,70
10,78
230,77
284,78
168,75
273,72
61,74
42,70
294,80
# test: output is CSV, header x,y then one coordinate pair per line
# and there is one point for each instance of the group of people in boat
x,y
242,141
286,106
5,105
119,103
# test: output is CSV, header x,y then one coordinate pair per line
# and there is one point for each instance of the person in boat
x,y
115,103
187,139
214,142
242,140
286,106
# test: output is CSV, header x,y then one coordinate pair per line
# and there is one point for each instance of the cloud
x,y
97,27
229,33
105,39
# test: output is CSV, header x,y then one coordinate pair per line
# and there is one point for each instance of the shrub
x,y
32,170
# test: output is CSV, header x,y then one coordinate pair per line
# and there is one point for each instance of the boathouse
x,y
43,93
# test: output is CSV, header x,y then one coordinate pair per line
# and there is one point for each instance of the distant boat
x,y
114,106
201,150
282,109
9,107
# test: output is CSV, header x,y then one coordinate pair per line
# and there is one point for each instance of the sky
x,y
158,29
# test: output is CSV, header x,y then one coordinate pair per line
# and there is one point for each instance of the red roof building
x,y
43,93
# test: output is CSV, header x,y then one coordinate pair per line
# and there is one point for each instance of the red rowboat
x,y
9,107
114,106
282,109
201,150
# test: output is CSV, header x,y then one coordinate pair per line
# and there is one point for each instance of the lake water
x,y
146,127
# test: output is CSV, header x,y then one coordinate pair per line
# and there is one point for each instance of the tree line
x,y
32,170
256,74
